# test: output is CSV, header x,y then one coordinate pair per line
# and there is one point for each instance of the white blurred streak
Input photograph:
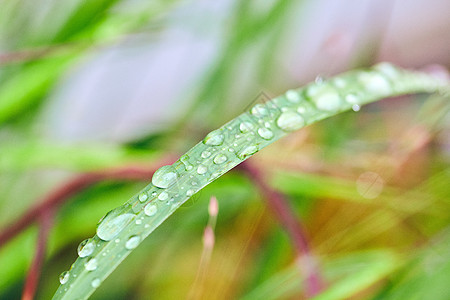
x,y
144,84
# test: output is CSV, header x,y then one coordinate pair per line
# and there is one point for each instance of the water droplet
x,y
185,160
150,210
190,193
91,264
220,159
214,138
165,177
202,169
194,182
375,83
265,133
329,101
113,223
64,277
340,83
356,107
95,283
132,242
206,154
247,151
290,121
293,96
86,248
143,196
259,110
387,69
163,196
138,222
351,98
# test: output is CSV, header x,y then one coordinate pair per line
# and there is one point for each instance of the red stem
x,y
67,190
46,223
44,212
282,211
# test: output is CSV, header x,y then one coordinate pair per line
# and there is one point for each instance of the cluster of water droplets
x,y
296,108
115,221
224,148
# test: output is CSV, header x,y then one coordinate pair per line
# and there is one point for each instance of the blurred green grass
x,y
395,246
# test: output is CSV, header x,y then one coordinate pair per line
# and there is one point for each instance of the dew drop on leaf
x,y
351,98
132,242
356,107
85,248
247,151
265,133
64,277
95,283
91,264
163,196
245,127
220,159
339,82
202,169
113,223
143,196
290,121
185,160
214,138
293,96
206,154
375,83
330,101
165,177
301,109
190,193
387,70
259,110
150,210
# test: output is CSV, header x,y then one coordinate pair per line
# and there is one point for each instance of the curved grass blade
x,y
122,229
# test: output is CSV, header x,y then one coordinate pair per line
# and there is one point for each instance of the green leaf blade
x,y
122,229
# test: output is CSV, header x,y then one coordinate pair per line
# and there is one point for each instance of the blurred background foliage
x,y
91,85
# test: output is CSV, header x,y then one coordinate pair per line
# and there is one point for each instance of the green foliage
x,y
394,246
122,229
